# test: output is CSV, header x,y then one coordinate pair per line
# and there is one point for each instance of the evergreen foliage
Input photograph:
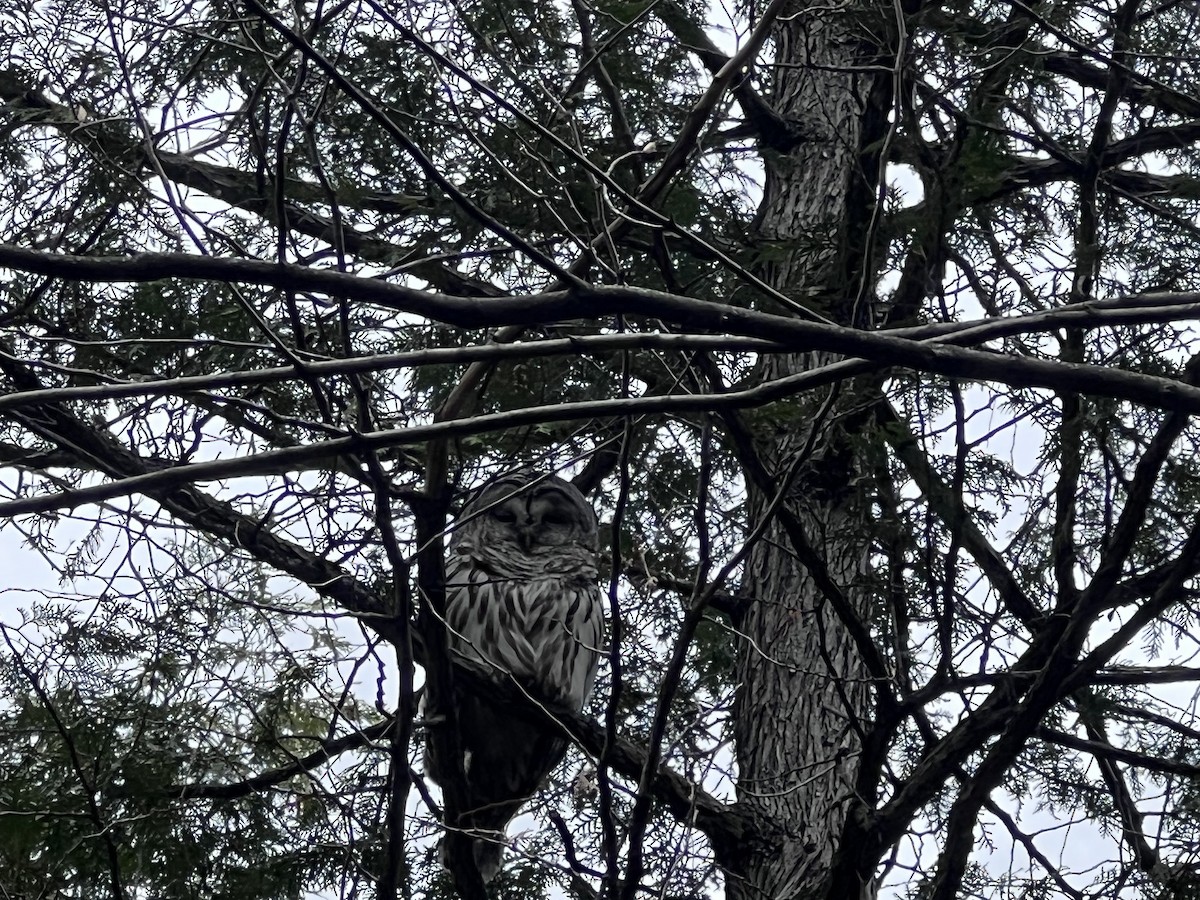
x,y
915,439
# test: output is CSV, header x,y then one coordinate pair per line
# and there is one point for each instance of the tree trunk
x,y
803,689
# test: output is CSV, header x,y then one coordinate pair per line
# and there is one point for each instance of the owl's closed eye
x,y
545,515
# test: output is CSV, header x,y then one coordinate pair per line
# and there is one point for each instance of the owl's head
x,y
533,512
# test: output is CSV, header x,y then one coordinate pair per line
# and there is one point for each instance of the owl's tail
x,y
488,851
505,761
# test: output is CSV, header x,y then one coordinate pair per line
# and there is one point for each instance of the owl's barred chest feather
x,y
538,618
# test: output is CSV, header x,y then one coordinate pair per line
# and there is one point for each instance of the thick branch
x,y
243,190
595,301
954,515
97,450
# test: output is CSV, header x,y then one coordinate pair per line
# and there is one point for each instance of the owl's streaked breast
x,y
543,627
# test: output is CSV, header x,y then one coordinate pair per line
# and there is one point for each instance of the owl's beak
x,y
526,536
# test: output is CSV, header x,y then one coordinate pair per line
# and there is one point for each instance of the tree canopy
x,y
867,327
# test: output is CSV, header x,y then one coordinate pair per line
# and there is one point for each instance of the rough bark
x,y
804,692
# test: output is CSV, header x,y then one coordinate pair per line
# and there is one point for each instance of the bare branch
x,y
327,752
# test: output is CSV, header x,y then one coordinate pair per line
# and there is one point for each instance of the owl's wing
x,y
590,634
569,650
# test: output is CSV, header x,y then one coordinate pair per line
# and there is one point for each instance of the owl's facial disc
x,y
539,519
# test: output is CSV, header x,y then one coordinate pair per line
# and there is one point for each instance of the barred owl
x,y
521,596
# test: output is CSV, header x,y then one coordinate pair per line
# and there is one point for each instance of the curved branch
x,y
1098,380
936,353
98,450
